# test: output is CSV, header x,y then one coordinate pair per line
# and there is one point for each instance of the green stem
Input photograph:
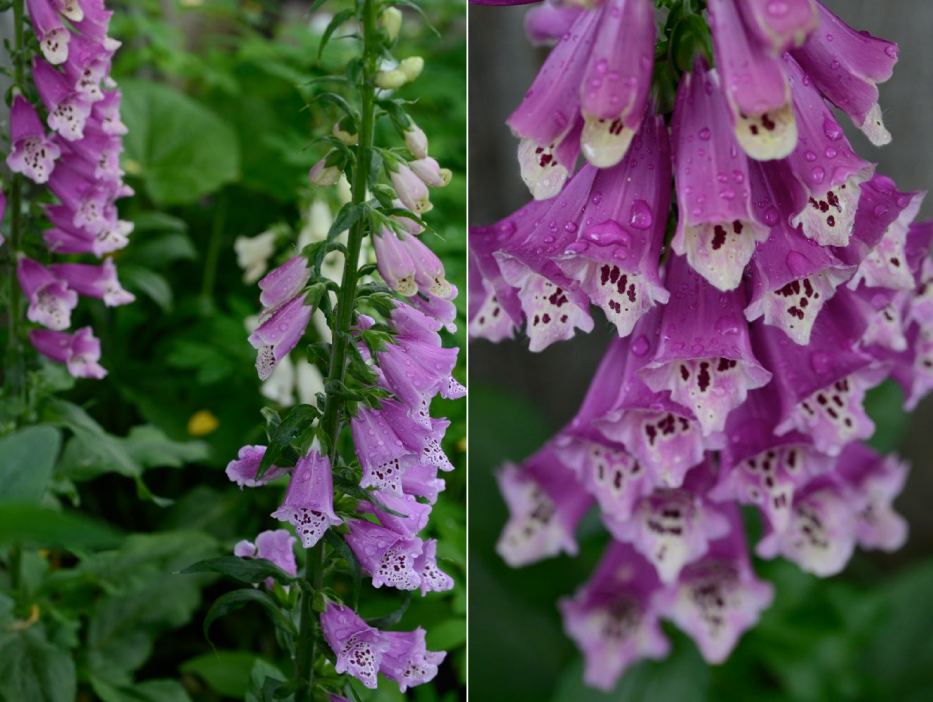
x,y
341,321
15,367
213,248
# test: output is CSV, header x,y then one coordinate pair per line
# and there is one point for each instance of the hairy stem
x,y
15,368
341,320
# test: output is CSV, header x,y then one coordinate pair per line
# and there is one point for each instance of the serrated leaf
x,y
246,570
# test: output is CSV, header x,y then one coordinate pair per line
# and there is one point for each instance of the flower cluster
x,y
80,163
385,363
796,281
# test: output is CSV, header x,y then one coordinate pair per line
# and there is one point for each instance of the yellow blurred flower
x,y
202,423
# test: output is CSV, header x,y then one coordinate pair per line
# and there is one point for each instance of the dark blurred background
x,y
861,635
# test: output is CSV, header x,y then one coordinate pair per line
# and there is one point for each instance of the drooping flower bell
x,y
33,153
279,334
243,469
389,557
94,281
359,647
80,352
309,500
50,298
407,661
276,546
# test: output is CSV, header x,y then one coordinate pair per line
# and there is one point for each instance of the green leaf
x,y
332,27
246,570
297,421
390,620
232,601
337,543
148,691
45,527
226,672
139,279
180,149
33,670
261,672
27,459
448,634
151,448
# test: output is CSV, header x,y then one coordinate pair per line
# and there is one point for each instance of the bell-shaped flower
x,y
309,500
879,479
715,226
433,579
421,480
386,450
846,65
283,283
825,165
385,555
80,352
430,172
416,140
275,546
919,237
407,515
279,334
52,34
88,66
912,368
442,309
755,84
253,254
663,436
395,263
791,276
105,115
50,298
90,202
242,470
705,355
613,618
760,468
617,80
64,237
718,598
616,257
553,304
822,389
545,504
429,271
407,661
71,9
883,317
32,153
779,26
94,281
673,527
546,22
68,109
359,647
821,534
97,157
410,189
416,370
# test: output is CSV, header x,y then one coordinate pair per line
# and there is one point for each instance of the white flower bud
x,y
391,21
411,67
416,141
391,80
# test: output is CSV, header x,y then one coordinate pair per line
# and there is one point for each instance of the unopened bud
x,y
416,141
411,67
391,80
391,22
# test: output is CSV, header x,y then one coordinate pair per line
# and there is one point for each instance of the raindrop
x,y
641,215
640,346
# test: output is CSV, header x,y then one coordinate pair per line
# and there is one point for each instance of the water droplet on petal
x,y
641,215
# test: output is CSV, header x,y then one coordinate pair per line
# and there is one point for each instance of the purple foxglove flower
x,y
64,237
553,304
309,500
275,546
715,228
705,356
50,298
416,141
106,114
549,21
718,598
663,436
94,175
52,35
416,513
430,172
879,479
673,527
886,265
761,469
386,449
94,281
284,283
791,276
616,259
91,203
755,85
821,391
429,271
410,190
825,164
883,317
821,534
433,579
80,352
70,8
495,308
912,369
414,324
617,80
545,504
613,618
407,661
385,555
421,480
395,263
279,334
548,120
443,310
613,476
32,154
68,110
846,66
96,156
243,469
88,65
779,26
359,647
921,264
416,370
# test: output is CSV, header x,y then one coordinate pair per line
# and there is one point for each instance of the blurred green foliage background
x,y
215,99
